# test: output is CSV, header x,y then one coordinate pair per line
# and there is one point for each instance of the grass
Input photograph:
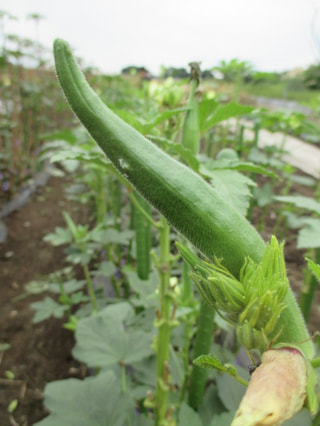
x,y
290,90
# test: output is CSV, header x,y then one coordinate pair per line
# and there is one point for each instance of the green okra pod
x,y
191,205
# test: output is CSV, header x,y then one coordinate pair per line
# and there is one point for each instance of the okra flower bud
x,y
276,391
254,302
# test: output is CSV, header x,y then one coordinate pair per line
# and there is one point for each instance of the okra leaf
x,y
106,269
165,115
79,154
68,286
206,110
210,361
143,126
58,237
95,401
229,391
309,235
228,159
46,309
145,289
224,112
223,419
188,417
141,420
263,195
211,405
300,201
177,150
233,187
105,340
112,236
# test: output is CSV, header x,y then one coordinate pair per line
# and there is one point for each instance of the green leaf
x,y
228,159
94,401
300,201
206,109
303,180
105,340
4,347
46,309
106,269
58,237
211,404
210,361
230,391
68,286
264,195
12,406
294,221
177,150
233,187
224,112
145,371
188,417
141,420
75,154
145,127
223,419
112,236
314,268
165,115
36,287
309,235
145,289
64,135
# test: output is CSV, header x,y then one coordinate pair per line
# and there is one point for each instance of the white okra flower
x,y
276,391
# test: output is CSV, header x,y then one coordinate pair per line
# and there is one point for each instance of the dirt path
x,y
304,156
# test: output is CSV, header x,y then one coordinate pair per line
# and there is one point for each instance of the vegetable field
x,y
157,266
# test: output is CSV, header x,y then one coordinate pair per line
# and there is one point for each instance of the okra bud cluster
x,y
254,301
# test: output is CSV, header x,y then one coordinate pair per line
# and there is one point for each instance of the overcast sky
x,y
274,35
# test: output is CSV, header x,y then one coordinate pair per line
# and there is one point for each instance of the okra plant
x,y
237,274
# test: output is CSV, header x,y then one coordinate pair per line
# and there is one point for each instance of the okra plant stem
x,y
164,326
143,212
202,346
90,288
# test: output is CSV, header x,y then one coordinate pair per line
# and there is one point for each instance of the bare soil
x,y
41,353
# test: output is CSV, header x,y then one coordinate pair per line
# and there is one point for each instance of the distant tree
x,y
262,77
206,74
176,72
234,70
312,77
134,70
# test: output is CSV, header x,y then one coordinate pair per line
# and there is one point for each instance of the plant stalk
x,y
163,344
